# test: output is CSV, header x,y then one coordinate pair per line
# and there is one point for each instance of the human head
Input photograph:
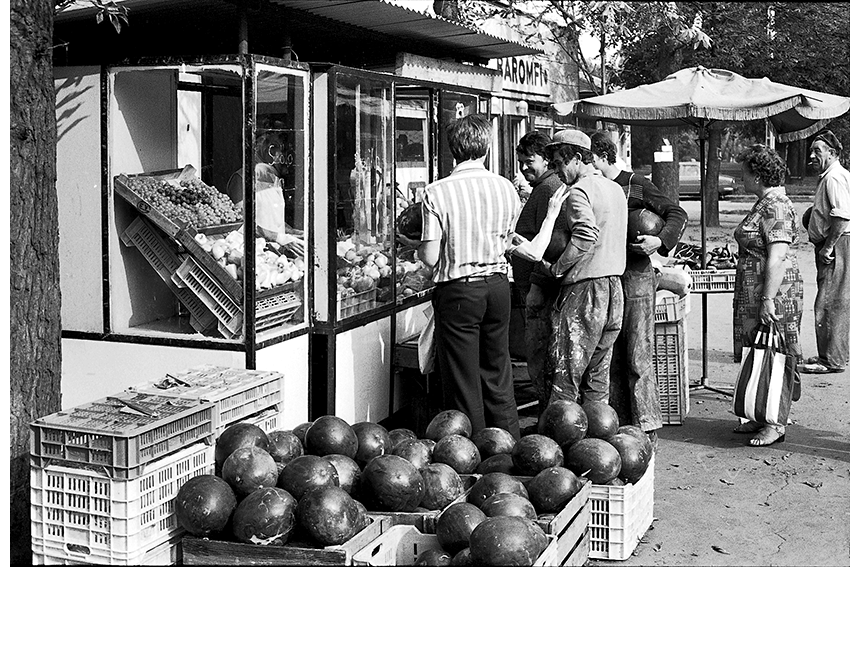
x,y
603,147
270,148
530,154
824,150
469,138
762,165
570,153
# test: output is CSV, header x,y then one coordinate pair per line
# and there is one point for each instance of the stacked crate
x,y
670,358
104,476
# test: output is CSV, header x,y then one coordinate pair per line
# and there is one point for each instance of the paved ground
x,y
719,502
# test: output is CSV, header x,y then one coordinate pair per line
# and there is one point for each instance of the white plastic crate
x,y
84,515
236,393
669,308
121,433
269,420
670,370
713,281
166,554
402,544
620,516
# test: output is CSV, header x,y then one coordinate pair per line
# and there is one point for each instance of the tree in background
x,y
35,326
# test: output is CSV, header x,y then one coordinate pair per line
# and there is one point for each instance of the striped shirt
x,y
471,211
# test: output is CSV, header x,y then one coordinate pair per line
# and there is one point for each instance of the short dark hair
x,y
533,143
568,151
765,163
469,137
602,145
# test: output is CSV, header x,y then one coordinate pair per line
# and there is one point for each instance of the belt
x,y
476,278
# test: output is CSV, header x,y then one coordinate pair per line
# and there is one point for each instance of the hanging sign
x,y
524,74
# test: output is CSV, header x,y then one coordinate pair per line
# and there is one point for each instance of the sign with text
x,y
524,74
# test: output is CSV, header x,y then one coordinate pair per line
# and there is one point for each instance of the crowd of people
x,y
590,291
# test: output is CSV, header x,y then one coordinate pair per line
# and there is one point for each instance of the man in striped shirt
x,y
467,218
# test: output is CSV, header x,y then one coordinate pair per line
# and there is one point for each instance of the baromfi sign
x,y
524,74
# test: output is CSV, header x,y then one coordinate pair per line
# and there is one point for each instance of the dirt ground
x,y
719,502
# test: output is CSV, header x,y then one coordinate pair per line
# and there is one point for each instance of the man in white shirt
x,y
827,224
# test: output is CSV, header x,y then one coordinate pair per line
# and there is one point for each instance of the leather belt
x,y
476,278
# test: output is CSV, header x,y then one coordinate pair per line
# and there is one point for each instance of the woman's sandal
x,y
748,427
767,436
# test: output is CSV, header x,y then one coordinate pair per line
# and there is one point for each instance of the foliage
x,y
116,14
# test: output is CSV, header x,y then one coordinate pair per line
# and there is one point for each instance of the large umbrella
x,y
709,99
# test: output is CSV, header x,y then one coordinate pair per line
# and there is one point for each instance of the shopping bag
x,y
427,344
765,384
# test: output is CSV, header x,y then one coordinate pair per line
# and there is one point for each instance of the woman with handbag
x,y
768,284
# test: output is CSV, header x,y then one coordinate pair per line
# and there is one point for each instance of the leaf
x,y
728,483
717,548
658,547
680,488
813,484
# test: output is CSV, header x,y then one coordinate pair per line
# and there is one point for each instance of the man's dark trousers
x,y
472,320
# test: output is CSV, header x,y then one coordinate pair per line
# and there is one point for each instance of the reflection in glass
x,y
363,160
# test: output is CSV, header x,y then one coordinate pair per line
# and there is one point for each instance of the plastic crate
x,y
670,370
108,435
206,552
355,303
620,516
228,312
236,393
277,308
669,309
713,281
269,420
401,545
121,185
164,260
85,516
166,554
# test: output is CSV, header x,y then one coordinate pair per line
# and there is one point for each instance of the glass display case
x,y
452,105
207,164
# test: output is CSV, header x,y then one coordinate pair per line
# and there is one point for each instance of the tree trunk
x,y
665,175
712,179
34,256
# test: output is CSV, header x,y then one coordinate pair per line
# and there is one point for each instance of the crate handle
x,y
376,550
79,549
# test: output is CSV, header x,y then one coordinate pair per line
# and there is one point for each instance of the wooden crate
x,y
206,552
570,527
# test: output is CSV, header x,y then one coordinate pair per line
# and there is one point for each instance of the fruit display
x,y
252,503
718,258
277,262
189,201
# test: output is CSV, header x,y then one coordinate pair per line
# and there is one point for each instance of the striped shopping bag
x,y
765,383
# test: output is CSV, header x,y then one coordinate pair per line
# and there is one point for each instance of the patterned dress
x,y
771,220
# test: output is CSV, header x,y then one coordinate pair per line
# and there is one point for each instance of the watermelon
x,y
433,557
602,419
455,525
594,459
391,483
635,455
506,541
642,222
373,441
498,463
492,441
331,435
536,452
442,485
508,504
306,472
348,472
493,483
564,421
265,517
249,468
240,434
457,451
204,505
552,488
448,422
329,515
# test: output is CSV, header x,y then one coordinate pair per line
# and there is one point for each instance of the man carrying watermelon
x,y
633,383
588,311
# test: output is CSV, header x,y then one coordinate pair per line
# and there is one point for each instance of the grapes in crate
x,y
189,201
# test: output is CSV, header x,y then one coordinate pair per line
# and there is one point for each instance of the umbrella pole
x,y
703,384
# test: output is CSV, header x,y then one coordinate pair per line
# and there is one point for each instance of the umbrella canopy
x,y
713,97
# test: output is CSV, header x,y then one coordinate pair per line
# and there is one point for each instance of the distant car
x,y
690,183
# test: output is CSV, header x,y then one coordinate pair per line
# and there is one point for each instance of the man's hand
x,y
645,244
826,256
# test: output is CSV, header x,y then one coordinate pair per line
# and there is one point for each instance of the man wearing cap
x,y
467,218
633,383
590,305
826,221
